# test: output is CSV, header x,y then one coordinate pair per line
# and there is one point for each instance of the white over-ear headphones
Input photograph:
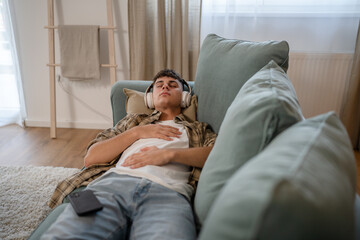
x,y
185,99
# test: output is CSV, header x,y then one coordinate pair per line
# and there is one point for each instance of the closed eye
x,y
172,84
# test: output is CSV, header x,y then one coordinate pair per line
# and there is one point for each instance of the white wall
x,y
92,109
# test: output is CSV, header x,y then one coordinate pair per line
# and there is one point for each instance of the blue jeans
x,y
134,208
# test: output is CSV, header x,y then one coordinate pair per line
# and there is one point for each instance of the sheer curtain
x,y
12,104
308,25
322,38
164,34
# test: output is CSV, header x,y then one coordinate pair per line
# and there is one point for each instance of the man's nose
x,y
165,85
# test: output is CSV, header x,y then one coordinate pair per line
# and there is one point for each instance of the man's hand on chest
x,y
149,156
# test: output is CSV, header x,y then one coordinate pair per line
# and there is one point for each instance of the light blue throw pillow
x,y
302,186
265,106
224,66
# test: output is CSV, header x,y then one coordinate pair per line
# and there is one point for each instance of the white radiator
x,y
320,80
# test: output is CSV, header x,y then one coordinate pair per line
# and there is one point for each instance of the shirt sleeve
x,y
86,175
209,136
124,124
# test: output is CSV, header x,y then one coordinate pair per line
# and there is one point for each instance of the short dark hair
x,y
169,73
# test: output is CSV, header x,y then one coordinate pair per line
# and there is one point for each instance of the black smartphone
x,y
84,202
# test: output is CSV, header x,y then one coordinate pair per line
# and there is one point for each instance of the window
x,y
10,107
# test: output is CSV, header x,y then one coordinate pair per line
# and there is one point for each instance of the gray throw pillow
x,y
302,186
265,106
224,66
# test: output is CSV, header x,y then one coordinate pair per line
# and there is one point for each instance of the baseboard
x,y
78,125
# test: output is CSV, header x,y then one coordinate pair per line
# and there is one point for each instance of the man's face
x,y
167,93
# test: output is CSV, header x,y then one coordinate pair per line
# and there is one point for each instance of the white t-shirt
x,y
172,175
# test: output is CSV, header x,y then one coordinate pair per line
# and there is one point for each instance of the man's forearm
x,y
195,157
105,151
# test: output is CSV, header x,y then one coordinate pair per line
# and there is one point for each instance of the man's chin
x,y
166,105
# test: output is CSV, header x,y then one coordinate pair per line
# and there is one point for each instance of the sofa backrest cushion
x,y
302,186
224,66
265,106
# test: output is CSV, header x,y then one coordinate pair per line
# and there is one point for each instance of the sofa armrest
x,y
118,97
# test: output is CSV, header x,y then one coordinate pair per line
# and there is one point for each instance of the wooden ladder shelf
x,y
51,30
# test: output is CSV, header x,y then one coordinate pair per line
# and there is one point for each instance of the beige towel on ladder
x,y
79,51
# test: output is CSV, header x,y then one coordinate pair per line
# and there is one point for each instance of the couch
x,y
272,174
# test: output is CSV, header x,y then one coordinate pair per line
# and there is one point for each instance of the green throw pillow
x,y
265,106
302,186
224,66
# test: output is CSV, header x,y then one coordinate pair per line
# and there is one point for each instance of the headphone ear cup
x,y
186,99
148,97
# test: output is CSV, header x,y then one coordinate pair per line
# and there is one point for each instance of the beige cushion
x,y
135,104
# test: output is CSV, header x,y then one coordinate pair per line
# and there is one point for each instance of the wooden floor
x,y
33,146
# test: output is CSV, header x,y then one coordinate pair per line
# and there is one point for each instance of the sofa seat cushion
x,y
47,222
224,65
302,186
265,106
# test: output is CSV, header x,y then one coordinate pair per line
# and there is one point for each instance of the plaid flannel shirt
x,y
200,135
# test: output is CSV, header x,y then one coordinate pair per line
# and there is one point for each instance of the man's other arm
x,y
194,157
105,151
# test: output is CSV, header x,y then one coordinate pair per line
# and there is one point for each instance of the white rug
x,y
24,193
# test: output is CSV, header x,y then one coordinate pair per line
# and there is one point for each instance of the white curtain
x,y
308,25
12,104
164,34
321,35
